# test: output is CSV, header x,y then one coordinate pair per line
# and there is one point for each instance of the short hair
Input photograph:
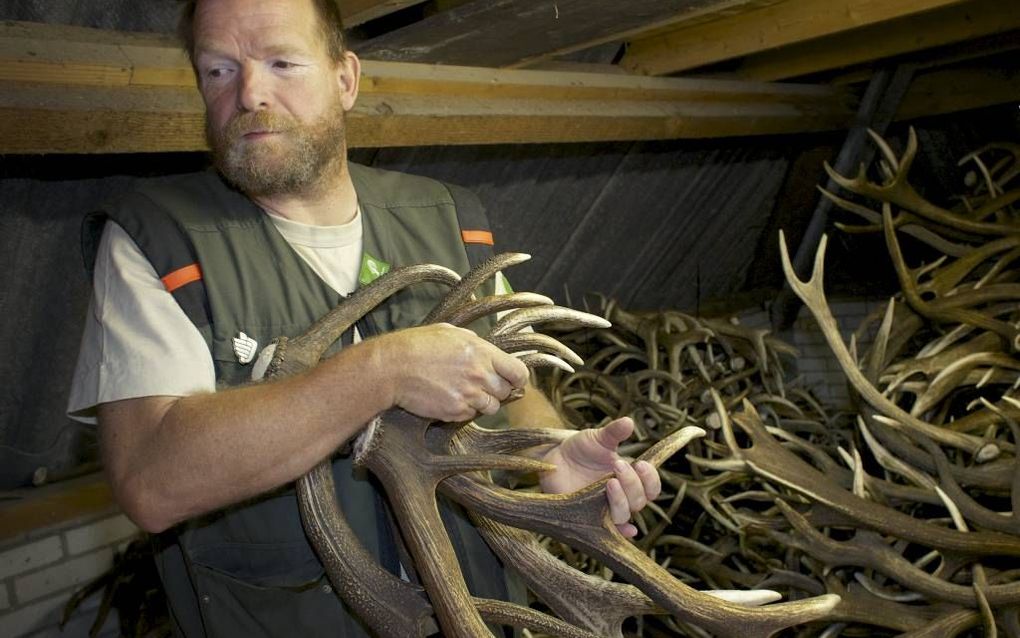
x,y
331,27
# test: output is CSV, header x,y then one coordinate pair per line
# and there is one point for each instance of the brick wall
x,y
40,571
816,364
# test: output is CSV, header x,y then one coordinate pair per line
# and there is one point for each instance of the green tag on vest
x,y
503,285
372,269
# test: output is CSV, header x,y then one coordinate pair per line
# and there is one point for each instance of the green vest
x,y
248,570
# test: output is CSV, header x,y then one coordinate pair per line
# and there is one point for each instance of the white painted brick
x,y
5,598
67,574
99,534
25,557
34,617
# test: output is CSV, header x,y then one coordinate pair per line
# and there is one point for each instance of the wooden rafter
x,y
957,23
355,12
528,32
962,87
763,29
692,16
95,91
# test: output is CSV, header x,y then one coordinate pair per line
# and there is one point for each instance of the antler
x,y
813,296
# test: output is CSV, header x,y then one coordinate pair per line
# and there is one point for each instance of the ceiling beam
x,y
763,29
93,95
355,12
948,25
526,31
963,87
691,16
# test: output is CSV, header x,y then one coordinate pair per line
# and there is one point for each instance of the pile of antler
x,y
906,509
415,458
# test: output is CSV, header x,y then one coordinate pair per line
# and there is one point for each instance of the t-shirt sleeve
x,y
137,341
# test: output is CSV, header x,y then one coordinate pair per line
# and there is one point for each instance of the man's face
x,y
275,100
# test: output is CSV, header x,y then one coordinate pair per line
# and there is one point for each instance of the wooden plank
x,y
944,26
763,29
504,32
401,78
355,12
56,119
690,17
164,65
147,102
101,61
962,88
53,505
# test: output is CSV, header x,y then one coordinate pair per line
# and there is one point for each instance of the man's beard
x,y
292,161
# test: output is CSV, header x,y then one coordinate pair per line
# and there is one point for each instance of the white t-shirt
x,y
137,340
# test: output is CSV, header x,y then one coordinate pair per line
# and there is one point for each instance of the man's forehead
x,y
277,24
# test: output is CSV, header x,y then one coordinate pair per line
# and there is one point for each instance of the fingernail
x,y
620,465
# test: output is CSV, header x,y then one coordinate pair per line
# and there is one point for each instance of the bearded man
x,y
194,274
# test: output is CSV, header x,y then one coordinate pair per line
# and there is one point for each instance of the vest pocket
x,y
233,607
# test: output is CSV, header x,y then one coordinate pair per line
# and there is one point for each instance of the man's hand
x,y
588,456
448,373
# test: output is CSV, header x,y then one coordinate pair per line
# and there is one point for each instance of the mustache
x,y
244,123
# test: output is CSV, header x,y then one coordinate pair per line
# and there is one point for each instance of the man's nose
x,y
253,89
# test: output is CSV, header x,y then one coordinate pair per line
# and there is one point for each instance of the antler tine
x,y
520,616
303,352
813,296
516,342
465,289
479,308
883,146
518,319
909,154
536,360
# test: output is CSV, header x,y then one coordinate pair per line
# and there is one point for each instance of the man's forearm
x,y
207,451
170,458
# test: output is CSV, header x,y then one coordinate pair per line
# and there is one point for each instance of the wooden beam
x,y
957,23
691,16
92,95
355,12
961,88
530,31
52,505
774,26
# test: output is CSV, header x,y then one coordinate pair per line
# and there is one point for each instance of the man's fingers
x,y
511,369
632,485
498,387
488,404
627,530
619,509
649,479
615,432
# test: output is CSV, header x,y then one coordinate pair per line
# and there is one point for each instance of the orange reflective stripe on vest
x,y
181,277
477,237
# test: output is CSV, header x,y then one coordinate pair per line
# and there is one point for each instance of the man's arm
x,y
173,458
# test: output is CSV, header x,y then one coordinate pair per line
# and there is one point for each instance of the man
x,y
185,453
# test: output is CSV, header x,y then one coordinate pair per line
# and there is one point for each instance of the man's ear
x,y
348,75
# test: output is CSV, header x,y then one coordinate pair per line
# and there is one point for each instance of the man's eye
x,y
216,73
282,64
